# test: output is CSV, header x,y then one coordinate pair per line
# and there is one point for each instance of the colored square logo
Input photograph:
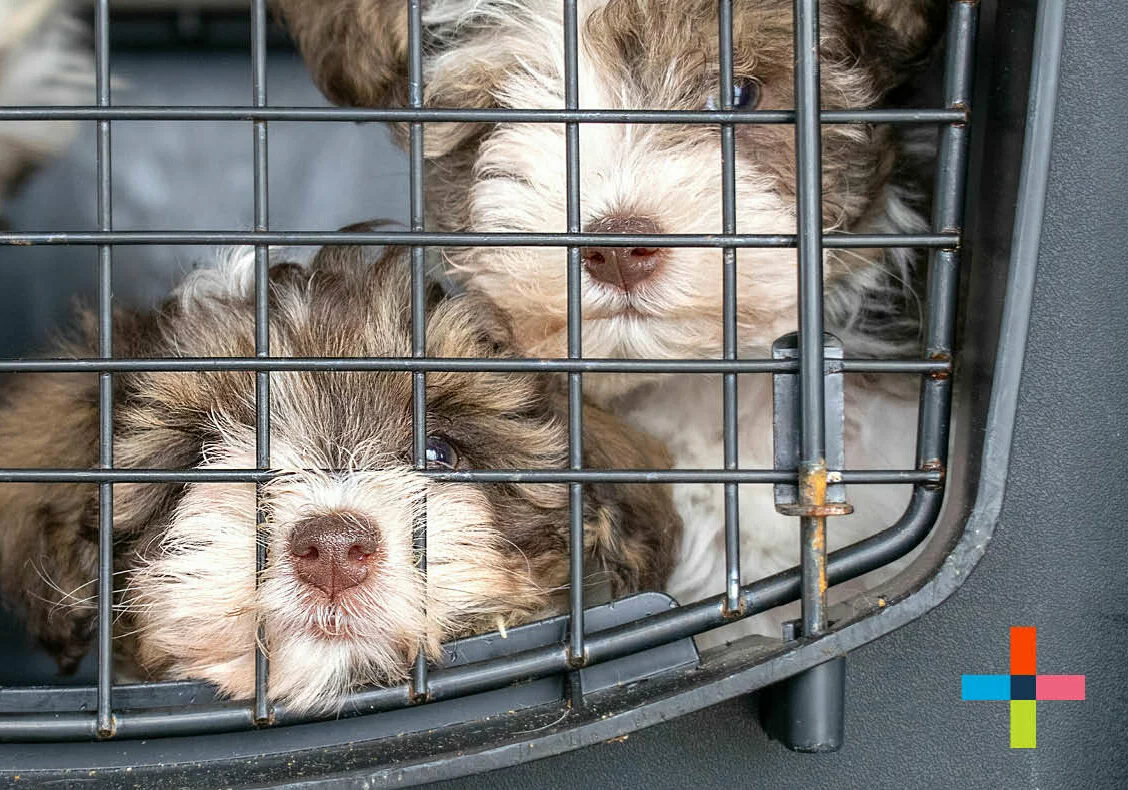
x,y
1023,688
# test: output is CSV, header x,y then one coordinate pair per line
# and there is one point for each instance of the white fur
x,y
232,274
519,186
520,177
40,64
197,603
685,413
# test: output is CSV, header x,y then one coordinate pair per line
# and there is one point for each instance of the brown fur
x,y
342,306
357,49
648,58
652,54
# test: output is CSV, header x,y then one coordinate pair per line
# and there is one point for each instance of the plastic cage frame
x,y
475,718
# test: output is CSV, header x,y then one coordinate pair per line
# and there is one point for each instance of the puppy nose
x,y
622,267
334,552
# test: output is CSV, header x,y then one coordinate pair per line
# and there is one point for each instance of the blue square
x,y
985,687
1023,687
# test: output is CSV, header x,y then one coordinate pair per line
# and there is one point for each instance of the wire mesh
x,y
428,684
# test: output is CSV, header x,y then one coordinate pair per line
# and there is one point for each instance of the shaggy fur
x,y
186,598
41,63
637,54
649,54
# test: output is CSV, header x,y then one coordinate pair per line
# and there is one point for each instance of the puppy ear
x,y
357,269
898,36
356,49
456,319
630,530
48,532
912,26
465,77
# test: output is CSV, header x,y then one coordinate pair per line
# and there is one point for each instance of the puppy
x,y
667,303
341,602
41,63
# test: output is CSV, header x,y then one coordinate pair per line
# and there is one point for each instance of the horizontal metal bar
x,y
445,683
851,476
48,727
459,365
461,115
320,238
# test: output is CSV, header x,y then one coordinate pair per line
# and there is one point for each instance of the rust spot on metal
x,y
578,662
20,243
818,537
813,505
935,465
818,544
812,483
813,479
817,511
946,358
103,735
733,614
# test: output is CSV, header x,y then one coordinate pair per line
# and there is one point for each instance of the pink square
x,y
1061,687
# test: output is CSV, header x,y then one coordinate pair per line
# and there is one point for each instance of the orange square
x,y
1023,650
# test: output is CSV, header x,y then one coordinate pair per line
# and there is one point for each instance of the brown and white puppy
x,y
667,303
341,601
41,63
643,303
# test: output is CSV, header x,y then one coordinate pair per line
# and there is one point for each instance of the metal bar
x,y
752,598
947,240
728,273
418,310
575,343
947,213
463,365
262,336
765,476
105,717
466,115
1028,223
812,433
677,623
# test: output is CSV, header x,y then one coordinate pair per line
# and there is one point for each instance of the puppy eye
x,y
440,454
746,96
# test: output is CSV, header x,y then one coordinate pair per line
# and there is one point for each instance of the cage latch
x,y
818,493
805,712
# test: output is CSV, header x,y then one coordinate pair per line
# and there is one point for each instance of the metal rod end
x,y
806,713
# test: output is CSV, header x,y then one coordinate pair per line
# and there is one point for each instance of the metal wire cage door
x,y
597,672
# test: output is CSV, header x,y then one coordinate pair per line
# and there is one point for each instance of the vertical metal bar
x,y
812,465
418,306
575,329
105,722
947,213
262,333
728,207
